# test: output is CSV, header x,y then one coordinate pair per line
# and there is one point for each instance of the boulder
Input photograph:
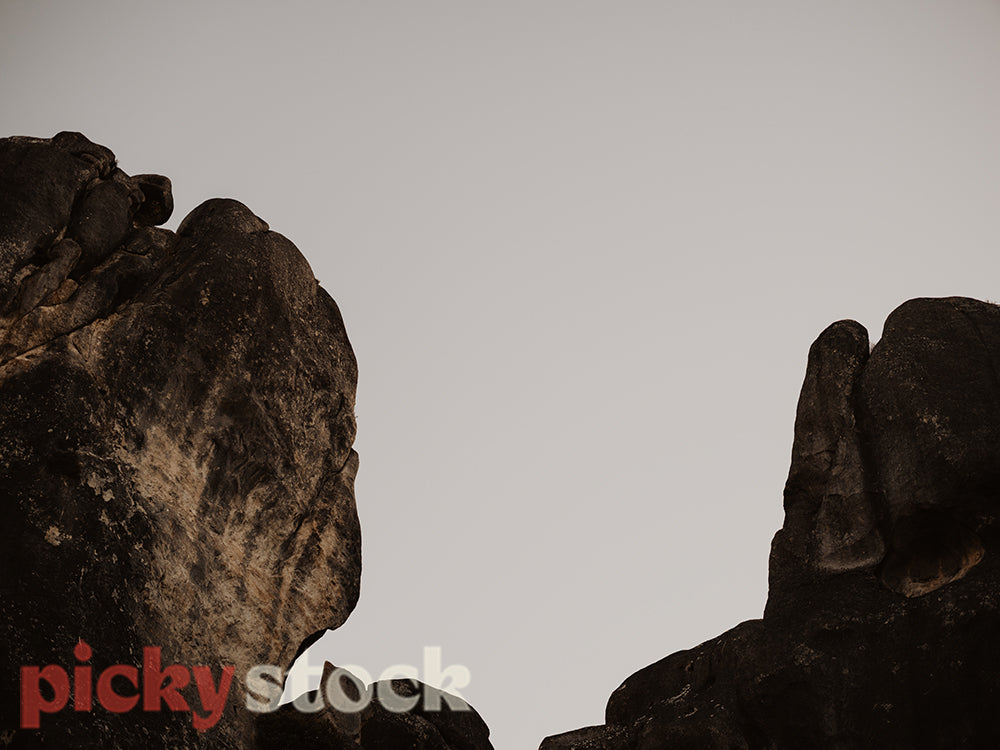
x,y
883,615
388,715
176,462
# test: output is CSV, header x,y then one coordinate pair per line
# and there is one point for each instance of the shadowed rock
x,y
931,406
884,606
830,523
175,454
387,715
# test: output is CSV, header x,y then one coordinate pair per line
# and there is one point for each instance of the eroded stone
x,y
176,447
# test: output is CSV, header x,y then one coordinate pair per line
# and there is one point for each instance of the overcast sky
x,y
581,250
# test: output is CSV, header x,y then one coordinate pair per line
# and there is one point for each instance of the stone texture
x,y
588,738
830,522
883,615
935,436
177,415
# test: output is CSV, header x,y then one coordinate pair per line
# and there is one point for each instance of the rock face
x,y
883,616
176,423
175,455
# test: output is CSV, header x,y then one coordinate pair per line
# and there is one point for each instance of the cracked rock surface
x,y
883,616
176,467
176,423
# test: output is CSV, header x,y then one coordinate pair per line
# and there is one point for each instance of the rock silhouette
x,y
883,612
177,414
176,464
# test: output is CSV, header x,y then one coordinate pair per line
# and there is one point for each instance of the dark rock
x,y
883,615
931,406
457,723
589,738
393,714
830,523
177,467
157,200
101,218
40,181
175,455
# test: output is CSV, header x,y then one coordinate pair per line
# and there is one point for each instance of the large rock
x,y
883,616
176,423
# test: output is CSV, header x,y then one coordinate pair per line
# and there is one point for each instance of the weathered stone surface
x,y
177,416
830,524
883,616
588,738
931,406
393,715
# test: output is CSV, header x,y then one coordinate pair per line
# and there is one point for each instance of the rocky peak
x,y
884,601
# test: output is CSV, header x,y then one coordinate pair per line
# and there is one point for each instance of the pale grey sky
x,y
581,249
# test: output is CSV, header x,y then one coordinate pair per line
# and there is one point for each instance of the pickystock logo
x,y
152,688
122,688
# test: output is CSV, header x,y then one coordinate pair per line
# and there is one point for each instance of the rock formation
x,y
177,415
881,625
397,714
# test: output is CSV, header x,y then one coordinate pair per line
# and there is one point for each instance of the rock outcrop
x,y
176,462
883,616
391,714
